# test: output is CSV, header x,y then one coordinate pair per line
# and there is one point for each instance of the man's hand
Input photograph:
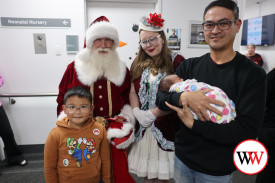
x,y
198,102
184,114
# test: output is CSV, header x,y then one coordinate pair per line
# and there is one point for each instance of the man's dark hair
x,y
229,4
80,92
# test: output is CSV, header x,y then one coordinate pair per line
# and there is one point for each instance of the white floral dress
x,y
146,158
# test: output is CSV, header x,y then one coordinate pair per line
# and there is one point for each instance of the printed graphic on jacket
x,y
76,151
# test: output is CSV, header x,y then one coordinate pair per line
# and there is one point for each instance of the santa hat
x,y
121,134
153,23
101,28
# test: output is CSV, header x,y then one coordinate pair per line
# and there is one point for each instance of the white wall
x,y
31,118
24,71
252,10
178,13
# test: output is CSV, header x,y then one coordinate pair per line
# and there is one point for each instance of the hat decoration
x,y
153,23
101,28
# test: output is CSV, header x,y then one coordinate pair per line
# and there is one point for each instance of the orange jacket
x,y
77,155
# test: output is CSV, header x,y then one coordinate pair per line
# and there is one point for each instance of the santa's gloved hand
x,y
126,117
145,118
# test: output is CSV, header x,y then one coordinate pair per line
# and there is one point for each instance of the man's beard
x,y
103,62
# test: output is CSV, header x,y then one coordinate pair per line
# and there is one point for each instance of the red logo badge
x,y
250,157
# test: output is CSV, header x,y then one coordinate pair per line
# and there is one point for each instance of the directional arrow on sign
x,y
27,22
65,22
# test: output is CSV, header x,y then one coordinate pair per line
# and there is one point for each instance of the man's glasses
x,y
152,41
107,41
223,25
83,108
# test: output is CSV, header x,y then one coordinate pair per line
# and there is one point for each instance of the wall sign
x,y
40,43
35,22
196,35
174,38
72,43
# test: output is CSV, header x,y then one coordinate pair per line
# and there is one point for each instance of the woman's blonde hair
x,y
142,61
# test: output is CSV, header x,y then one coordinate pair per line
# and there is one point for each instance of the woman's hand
x,y
145,118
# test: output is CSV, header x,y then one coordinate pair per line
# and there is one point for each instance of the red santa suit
x,y
110,92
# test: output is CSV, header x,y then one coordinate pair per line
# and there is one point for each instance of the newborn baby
x,y
172,83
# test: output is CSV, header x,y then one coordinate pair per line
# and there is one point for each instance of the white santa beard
x,y
90,66
104,62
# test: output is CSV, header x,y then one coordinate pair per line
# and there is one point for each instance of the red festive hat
x,y
101,28
153,23
101,18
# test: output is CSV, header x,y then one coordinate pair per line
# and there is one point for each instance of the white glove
x,y
84,141
80,140
145,118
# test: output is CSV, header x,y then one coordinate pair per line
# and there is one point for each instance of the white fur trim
x,y
149,28
101,29
61,116
127,111
119,133
127,143
88,73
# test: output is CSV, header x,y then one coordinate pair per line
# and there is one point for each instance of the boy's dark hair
x,y
229,4
165,84
80,92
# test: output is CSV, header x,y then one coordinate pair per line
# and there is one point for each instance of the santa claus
x,y
98,68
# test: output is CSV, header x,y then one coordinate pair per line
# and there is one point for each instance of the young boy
x,y
77,150
174,83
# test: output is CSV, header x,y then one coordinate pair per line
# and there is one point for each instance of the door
x,y
123,15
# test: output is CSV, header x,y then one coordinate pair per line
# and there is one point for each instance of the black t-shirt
x,y
208,147
269,119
